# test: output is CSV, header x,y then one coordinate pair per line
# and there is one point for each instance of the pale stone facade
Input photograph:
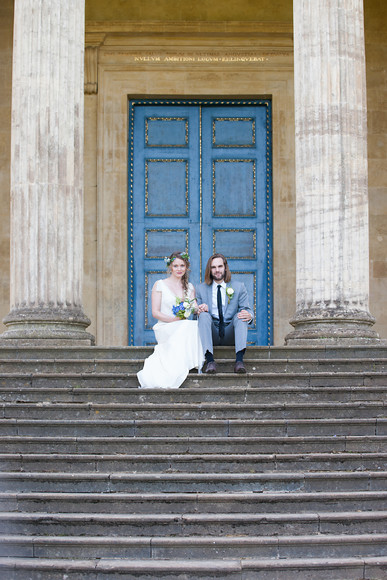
x,y
204,59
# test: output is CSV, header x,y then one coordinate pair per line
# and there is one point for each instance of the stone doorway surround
x,y
187,60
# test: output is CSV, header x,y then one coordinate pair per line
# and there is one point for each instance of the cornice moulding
x,y
270,28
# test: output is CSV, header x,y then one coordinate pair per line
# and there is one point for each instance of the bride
x,y
178,348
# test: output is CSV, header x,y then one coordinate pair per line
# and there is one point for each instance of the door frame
x,y
215,101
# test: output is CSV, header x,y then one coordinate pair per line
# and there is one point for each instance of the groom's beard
x,y
218,277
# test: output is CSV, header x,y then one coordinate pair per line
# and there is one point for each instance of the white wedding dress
x,y
178,348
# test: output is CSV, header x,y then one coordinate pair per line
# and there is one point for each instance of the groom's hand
x,y
202,308
245,315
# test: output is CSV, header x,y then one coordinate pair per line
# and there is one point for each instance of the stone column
x,y
331,174
47,174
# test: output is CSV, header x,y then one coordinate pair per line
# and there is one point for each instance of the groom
x,y
224,312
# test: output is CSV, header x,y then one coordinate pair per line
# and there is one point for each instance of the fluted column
x,y
331,174
47,173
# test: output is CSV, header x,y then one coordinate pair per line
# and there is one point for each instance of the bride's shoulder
x,y
158,285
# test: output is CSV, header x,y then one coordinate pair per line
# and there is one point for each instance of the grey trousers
x,y
234,333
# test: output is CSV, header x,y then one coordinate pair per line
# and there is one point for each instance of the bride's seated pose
x,y
178,348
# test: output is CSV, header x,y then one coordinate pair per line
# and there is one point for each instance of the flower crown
x,y
183,255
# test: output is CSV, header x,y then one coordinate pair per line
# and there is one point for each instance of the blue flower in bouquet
x,y
183,308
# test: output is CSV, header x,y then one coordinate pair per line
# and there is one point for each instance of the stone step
x,y
194,380
239,569
175,463
46,410
141,352
191,428
193,482
194,547
262,524
131,365
167,503
195,445
189,396
277,473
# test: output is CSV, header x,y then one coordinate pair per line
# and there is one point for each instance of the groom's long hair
x,y
207,274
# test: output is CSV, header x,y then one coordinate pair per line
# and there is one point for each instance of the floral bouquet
x,y
184,308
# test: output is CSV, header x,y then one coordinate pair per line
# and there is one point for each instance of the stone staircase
x,y
277,474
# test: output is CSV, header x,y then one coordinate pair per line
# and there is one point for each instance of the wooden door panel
x,y
200,181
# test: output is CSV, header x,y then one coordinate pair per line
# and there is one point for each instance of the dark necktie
x,y
220,311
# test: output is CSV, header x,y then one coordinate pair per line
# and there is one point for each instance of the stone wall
x,y
185,63
376,58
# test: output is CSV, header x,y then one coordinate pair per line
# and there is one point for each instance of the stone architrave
x,y
331,174
47,173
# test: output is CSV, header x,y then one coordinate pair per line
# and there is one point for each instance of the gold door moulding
x,y
237,230
162,230
254,199
147,164
184,119
230,120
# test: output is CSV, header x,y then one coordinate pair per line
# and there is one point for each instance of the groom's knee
x,y
239,322
205,319
240,328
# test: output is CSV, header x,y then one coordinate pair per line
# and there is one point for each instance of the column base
x,y
39,327
332,327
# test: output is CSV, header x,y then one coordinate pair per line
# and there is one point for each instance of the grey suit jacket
x,y
239,301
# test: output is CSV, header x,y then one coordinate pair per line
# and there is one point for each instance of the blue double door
x,y
200,182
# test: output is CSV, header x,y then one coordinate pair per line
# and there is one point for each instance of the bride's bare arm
x,y
156,305
192,296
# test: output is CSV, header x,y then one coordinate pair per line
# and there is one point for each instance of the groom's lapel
x,y
209,298
227,300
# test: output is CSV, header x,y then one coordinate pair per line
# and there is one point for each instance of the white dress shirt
x,y
215,297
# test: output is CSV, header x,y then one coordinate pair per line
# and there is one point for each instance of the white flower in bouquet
x,y
183,308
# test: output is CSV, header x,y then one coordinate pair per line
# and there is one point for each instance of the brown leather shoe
x,y
239,367
210,368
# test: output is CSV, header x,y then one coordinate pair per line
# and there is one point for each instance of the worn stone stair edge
x,y
93,517
195,497
208,457
196,406
197,390
270,349
196,376
197,540
187,565
113,476
250,362
188,438
195,421
249,355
